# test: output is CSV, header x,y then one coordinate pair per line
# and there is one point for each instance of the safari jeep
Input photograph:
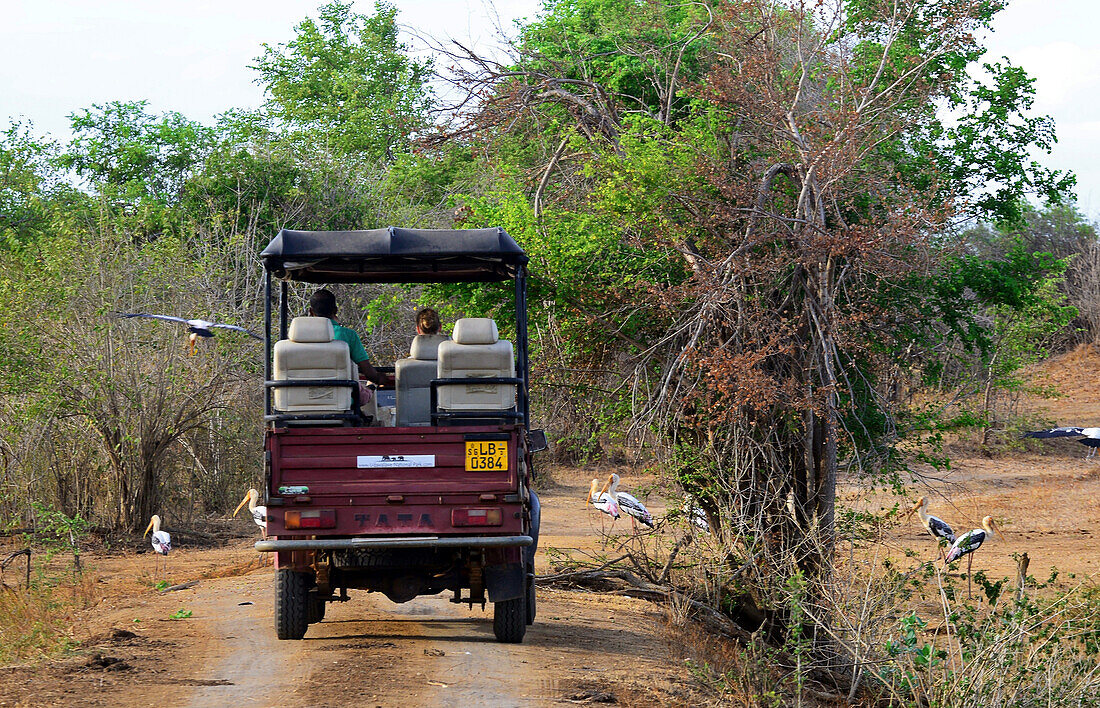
x,y
425,488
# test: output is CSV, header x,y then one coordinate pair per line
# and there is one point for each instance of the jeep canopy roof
x,y
394,255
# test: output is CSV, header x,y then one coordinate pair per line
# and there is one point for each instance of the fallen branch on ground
x,y
181,586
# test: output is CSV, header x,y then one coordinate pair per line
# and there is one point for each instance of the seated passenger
x,y
427,321
414,374
323,304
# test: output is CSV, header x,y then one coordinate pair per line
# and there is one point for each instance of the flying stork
x,y
161,541
969,542
628,503
259,513
1086,436
936,526
197,328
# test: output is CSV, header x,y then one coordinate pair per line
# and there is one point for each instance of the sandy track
x,y
429,652
369,651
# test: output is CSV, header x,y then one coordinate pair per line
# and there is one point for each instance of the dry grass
x,y
37,621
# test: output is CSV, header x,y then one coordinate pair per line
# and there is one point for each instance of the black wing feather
x,y
1067,432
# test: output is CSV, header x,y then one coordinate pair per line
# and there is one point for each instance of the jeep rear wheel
x,y
291,604
510,619
530,594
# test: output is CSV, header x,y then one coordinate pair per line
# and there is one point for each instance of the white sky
x,y
191,56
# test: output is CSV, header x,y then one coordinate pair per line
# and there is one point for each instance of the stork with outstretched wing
x,y
197,328
1089,437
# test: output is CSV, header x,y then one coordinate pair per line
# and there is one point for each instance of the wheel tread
x,y
291,604
510,619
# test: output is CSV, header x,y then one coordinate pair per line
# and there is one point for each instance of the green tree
x,y
138,162
346,80
755,268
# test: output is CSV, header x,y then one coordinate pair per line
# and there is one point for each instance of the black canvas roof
x,y
394,255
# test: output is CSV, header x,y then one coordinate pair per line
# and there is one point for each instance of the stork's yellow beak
x,y
241,505
147,529
606,486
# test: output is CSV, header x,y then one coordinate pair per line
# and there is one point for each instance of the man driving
x,y
323,304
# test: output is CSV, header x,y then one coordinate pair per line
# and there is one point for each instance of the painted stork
x,y
602,501
161,541
1089,437
969,542
695,515
259,513
197,328
628,503
936,526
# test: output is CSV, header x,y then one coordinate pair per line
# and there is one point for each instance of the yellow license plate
x,y
486,455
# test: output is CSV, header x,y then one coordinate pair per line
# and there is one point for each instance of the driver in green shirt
x,y
323,304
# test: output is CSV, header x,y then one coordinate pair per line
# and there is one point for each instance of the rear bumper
x,y
321,544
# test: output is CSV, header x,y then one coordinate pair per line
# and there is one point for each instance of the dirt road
x,y
368,651
584,647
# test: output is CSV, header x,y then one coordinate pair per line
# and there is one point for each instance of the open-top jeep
x,y
426,486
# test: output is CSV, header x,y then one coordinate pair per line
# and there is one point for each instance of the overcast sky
x,y
192,56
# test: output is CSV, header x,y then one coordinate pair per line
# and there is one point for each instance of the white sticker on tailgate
x,y
380,461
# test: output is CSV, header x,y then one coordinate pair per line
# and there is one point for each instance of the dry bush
x,y
36,621
1086,295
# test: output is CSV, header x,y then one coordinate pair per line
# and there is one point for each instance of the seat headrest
x,y
475,330
425,347
310,329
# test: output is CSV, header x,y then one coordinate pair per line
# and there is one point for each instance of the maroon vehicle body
x,y
405,511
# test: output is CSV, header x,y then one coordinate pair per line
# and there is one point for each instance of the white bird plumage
x,y
161,542
966,544
695,515
197,327
602,501
936,526
628,502
259,512
1089,437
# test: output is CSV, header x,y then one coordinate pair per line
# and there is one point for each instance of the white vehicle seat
x,y
414,376
310,352
476,352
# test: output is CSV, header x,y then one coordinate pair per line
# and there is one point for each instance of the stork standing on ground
x,y
259,513
1089,437
936,526
969,542
695,515
161,541
602,501
628,503
197,328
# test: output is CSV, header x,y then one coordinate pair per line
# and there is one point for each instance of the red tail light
x,y
312,519
476,517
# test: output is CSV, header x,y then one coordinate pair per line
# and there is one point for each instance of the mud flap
x,y
505,582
